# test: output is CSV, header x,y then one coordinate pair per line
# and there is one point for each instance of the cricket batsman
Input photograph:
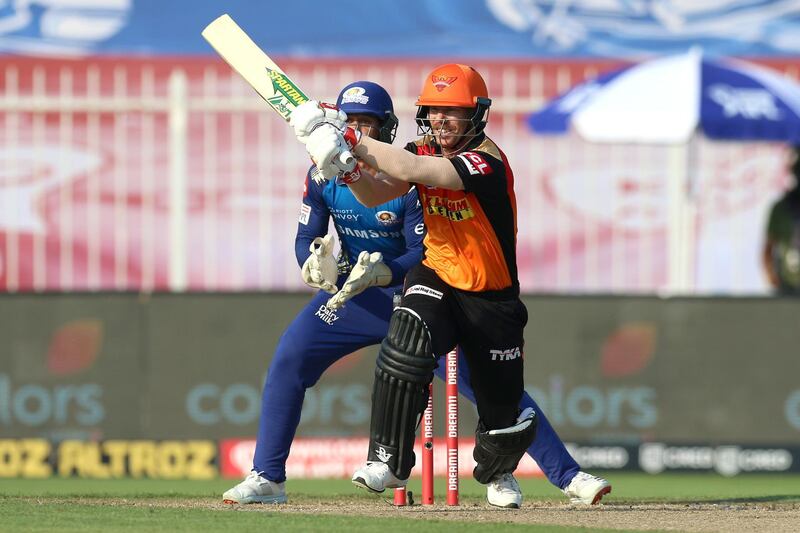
x,y
354,305
464,293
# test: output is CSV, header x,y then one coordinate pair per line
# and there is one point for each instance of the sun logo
x,y
443,82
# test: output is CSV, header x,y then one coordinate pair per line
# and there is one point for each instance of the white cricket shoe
x,y
503,491
256,489
376,477
587,489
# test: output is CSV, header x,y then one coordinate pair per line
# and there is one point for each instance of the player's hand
x,y
329,150
310,115
320,270
369,271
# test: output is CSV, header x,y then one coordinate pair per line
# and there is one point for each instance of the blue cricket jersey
x,y
394,228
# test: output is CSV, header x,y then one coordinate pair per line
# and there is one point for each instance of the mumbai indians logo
x,y
443,82
386,217
355,95
285,87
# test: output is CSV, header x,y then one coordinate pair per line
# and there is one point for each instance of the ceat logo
x,y
443,82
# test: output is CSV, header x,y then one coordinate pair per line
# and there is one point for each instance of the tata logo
x,y
506,355
443,82
749,103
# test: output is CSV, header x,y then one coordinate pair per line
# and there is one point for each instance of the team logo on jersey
x,y
443,82
355,95
454,209
386,217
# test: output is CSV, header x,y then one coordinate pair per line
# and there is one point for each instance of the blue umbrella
x,y
667,100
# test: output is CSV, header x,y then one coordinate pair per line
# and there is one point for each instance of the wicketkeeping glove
x,y
308,116
320,270
368,271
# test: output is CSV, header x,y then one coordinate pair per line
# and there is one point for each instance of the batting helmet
x,y
454,85
367,98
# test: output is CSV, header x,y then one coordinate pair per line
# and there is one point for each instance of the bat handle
x,y
347,160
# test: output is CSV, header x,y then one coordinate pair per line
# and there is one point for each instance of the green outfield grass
x,y
77,504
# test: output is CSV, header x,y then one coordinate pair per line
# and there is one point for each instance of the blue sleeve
x,y
414,231
314,216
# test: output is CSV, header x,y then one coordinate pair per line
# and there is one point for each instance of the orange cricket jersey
x,y
471,237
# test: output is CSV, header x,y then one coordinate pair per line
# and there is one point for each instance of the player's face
x,y
366,124
449,124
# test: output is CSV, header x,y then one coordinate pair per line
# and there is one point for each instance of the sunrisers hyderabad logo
x,y
443,82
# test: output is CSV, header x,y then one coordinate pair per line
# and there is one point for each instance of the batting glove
x,y
310,115
330,150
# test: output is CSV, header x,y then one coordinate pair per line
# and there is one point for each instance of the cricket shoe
x,y
256,489
587,489
503,491
377,477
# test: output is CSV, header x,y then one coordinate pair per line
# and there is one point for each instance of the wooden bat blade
x,y
255,66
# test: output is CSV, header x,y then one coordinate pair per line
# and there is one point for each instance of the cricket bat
x,y
256,67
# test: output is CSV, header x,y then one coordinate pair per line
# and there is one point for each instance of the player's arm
x,y
327,143
769,263
767,255
404,166
313,249
313,219
372,190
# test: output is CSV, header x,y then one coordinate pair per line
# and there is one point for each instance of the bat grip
x,y
347,160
